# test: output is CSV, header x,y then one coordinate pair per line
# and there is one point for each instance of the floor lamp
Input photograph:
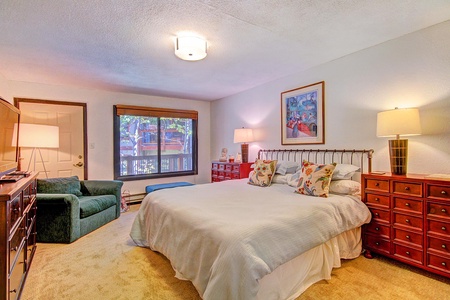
x,y
398,122
244,136
38,136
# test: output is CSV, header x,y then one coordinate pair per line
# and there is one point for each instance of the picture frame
x,y
303,115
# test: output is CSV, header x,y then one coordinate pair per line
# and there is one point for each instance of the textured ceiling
x,y
128,45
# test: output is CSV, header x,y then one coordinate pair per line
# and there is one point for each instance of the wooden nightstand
x,y
410,220
221,171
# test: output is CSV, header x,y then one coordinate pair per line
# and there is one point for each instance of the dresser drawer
x,y
376,199
236,168
16,275
408,237
438,192
215,166
408,205
440,228
438,210
407,188
221,167
409,221
15,211
235,176
16,244
439,263
228,168
439,245
377,184
408,253
380,215
378,228
377,244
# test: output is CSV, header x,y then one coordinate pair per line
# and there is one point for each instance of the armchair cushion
x,y
90,205
63,185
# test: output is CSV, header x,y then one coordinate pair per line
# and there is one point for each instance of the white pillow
x,y
277,178
292,179
286,167
346,187
344,171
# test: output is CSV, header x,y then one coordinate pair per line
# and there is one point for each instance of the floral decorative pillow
x,y
315,179
263,172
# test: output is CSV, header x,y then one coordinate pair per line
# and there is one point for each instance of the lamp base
x,y
244,151
398,153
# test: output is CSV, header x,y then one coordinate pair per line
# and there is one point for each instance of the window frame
x,y
144,111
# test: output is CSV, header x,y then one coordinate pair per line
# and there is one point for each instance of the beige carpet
x,y
107,265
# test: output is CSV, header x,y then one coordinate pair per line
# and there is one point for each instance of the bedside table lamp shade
x,y
398,122
244,136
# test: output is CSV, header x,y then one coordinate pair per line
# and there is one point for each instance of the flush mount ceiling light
x,y
190,48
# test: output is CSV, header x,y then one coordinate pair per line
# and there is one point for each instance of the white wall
x,y
411,71
100,125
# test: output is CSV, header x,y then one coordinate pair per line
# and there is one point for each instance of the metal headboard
x,y
359,158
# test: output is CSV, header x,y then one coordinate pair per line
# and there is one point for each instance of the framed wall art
x,y
302,115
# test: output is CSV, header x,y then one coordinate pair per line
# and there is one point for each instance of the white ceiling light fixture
x,y
190,48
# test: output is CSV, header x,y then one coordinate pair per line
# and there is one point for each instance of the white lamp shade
x,y
38,136
405,121
243,135
190,48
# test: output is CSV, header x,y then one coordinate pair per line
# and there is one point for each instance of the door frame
x,y
17,102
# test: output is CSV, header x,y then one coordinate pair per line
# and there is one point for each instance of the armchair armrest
x,y
58,217
103,187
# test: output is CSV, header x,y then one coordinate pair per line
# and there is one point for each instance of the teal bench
x,y
155,187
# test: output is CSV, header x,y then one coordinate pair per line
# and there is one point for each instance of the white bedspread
x,y
226,236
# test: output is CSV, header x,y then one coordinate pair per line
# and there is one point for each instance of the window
x,y
154,142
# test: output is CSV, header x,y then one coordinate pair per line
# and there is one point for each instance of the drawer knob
x,y
443,228
407,204
13,291
407,221
443,192
377,243
376,228
443,210
406,188
444,246
408,253
377,214
408,237
377,199
443,264
377,184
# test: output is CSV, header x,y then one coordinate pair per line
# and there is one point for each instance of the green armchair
x,y
69,208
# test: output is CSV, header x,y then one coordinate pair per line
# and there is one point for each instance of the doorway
x,y
70,158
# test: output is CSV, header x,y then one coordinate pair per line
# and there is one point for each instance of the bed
x,y
234,240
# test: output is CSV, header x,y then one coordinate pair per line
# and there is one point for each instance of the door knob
x,y
79,164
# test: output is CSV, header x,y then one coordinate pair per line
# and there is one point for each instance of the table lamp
x,y
244,136
396,122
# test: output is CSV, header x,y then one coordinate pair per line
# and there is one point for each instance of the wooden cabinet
x,y
17,234
221,171
410,220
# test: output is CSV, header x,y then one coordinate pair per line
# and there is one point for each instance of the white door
x,y
68,159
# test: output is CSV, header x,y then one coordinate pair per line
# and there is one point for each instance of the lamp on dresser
x,y
244,136
396,122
